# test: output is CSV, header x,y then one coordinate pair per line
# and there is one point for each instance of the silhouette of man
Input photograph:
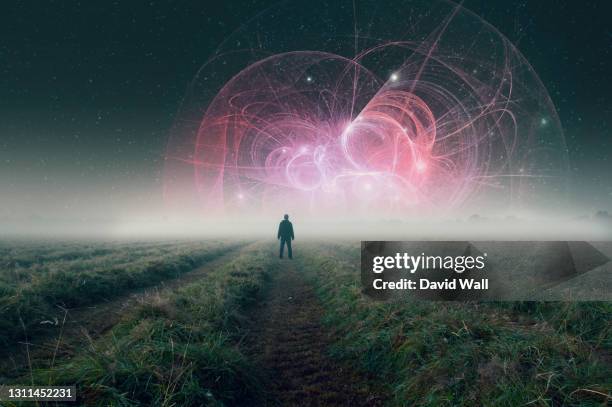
x,y
285,234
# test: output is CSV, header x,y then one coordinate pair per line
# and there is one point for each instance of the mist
x,y
473,228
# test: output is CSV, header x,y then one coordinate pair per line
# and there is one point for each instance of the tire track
x,y
289,341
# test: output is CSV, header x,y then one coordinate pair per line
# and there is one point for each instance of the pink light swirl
x,y
319,132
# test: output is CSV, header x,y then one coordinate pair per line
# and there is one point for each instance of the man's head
x,y
286,217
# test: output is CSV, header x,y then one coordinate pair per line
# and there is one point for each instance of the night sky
x,y
89,91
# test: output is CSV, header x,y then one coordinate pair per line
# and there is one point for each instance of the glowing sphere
x,y
277,122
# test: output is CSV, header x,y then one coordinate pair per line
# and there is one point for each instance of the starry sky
x,y
89,91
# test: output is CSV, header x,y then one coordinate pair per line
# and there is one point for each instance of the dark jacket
x,y
285,230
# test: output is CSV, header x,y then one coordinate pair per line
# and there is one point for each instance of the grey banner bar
x,y
481,270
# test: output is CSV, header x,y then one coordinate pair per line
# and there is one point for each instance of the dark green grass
x,y
30,295
175,350
466,353
184,348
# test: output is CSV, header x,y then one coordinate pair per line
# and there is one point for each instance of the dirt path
x,y
82,325
289,341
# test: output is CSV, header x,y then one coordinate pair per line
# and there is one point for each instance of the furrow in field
x,y
289,341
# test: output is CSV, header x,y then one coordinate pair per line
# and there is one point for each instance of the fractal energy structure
x,y
366,109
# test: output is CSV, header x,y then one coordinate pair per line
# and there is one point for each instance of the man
x,y
285,234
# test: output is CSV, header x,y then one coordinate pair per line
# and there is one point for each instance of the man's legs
x,y
282,247
289,248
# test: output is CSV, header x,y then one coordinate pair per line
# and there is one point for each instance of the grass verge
x,y
466,353
175,350
24,307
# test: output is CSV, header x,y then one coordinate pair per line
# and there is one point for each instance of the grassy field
x,y
38,280
512,353
250,329
175,350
